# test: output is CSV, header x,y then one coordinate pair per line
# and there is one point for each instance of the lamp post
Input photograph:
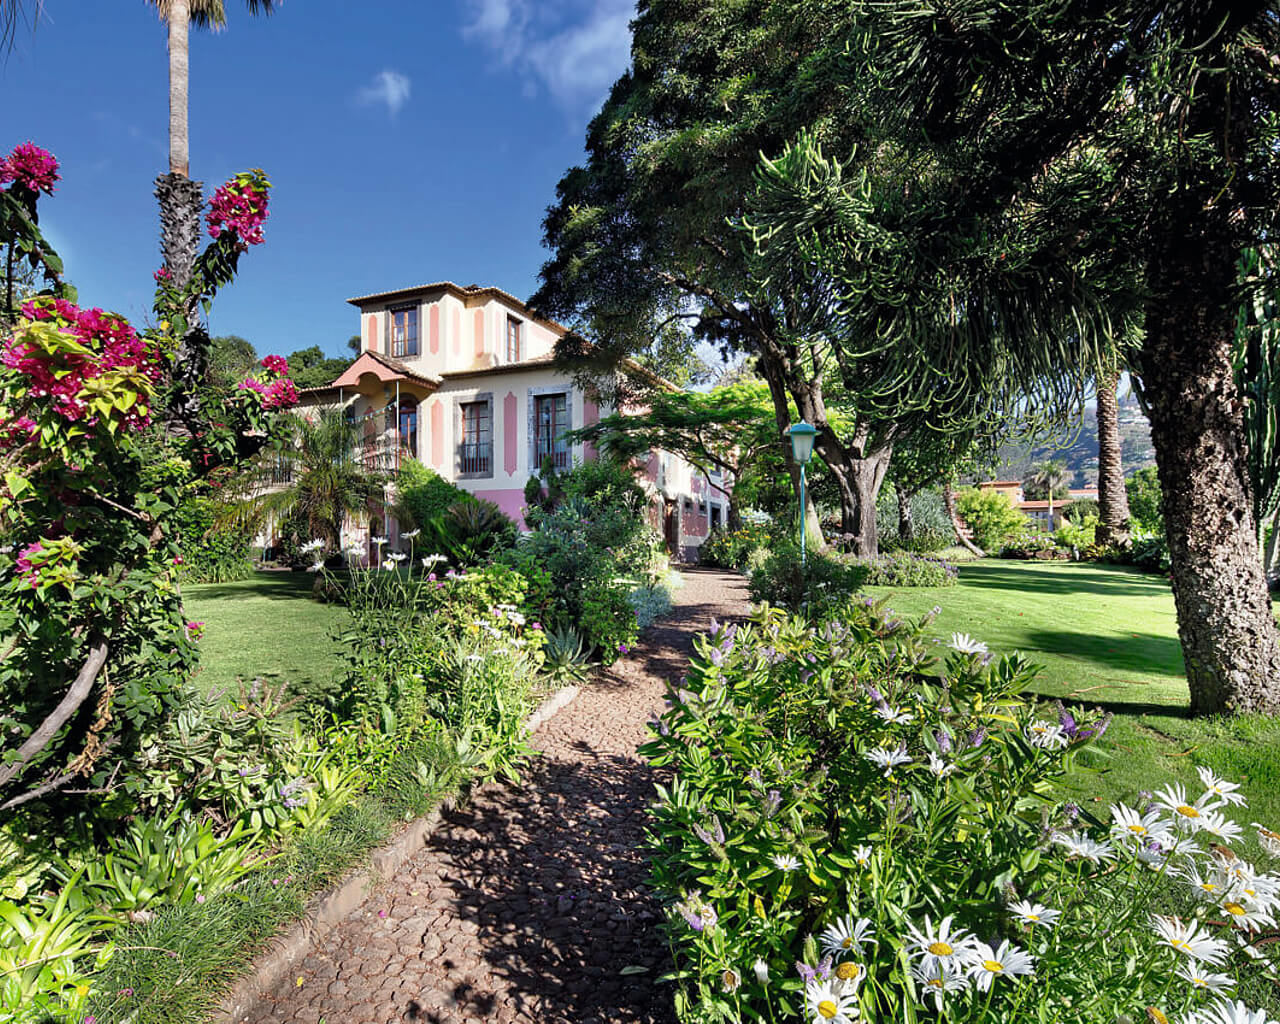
x,y
802,435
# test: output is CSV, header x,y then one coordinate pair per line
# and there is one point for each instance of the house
x,y
1011,489
462,379
1038,510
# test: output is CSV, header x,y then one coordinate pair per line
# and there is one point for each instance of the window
x,y
404,331
409,425
550,421
513,340
475,452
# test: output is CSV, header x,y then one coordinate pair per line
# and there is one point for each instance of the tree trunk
x,y
179,23
1113,501
1228,634
858,481
906,525
949,501
782,416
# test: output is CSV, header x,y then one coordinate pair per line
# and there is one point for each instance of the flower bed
x,y
846,837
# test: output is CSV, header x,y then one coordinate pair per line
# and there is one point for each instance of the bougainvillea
x,y
30,167
273,384
240,205
84,361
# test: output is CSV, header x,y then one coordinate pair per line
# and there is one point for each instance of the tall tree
x,y
641,239
1079,164
1113,500
180,201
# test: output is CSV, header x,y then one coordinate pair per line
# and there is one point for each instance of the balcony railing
x,y
557,451
382,454
476,458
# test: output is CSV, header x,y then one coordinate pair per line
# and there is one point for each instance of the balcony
x,y
476,459
383,454
557,451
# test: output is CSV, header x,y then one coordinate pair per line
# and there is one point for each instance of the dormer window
x,y
403,325
513,340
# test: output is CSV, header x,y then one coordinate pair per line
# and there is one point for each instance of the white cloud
x,y
390,88
574,49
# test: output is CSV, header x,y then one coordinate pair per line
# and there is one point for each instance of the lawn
x,y
1107,636
267,627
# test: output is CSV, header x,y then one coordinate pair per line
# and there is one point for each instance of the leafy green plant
x,y
1077,535
469,532
990,515
903,569
1032,544
821,581
422,494
212,552
650,602
730,549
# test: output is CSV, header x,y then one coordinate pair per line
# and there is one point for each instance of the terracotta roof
x,y
536,363
470,291
397,368
1000,483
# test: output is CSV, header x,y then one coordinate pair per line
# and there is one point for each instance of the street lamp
x,y
802,435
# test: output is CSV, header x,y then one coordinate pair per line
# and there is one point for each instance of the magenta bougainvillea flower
x,y
30,167
113,345
240,205
276,364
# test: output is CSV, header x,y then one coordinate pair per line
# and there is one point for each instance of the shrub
x,y
1079,510
730,549
1076,535
1146,501
423,494
469,532
821,582
903,569
990,515
933,530
211,553
1146,551
896,837
650,602
1032,544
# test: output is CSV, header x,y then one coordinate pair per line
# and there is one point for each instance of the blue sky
x,y
407,141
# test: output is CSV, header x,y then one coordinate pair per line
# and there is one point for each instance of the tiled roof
x,y
403,368
470,291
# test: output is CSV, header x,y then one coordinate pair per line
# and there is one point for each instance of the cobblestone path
x,y
526,904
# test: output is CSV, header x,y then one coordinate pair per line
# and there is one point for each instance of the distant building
x,y
1038,510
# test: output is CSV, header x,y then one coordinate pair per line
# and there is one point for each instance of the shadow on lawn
x,y
1148,653
274,586
1064,578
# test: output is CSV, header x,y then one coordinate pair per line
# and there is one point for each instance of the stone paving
x,y
527,903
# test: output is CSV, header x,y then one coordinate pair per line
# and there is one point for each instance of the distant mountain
x,y
1078,448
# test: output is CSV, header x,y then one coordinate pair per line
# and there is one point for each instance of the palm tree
x,y
1049,476
1113,500
316,480
179,196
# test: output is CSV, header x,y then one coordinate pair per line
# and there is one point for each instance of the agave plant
x,y
568,657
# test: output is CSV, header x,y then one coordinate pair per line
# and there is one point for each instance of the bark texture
x,y
1228,634
906,524
179,19
1113,500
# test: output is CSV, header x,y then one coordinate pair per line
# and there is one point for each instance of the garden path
x,y
527,903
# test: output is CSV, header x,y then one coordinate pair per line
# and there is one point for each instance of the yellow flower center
x,y
936,982
847,943
1234,909
848,971
1187,812
1138,829
1179,944
827,1009
994,966
1156,1015
940,949
1033,917
1208,886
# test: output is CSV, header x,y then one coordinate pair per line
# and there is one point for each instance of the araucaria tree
x,y
641,235
1075,166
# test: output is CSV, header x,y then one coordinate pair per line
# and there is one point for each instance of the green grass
x,y
266,627
1107,636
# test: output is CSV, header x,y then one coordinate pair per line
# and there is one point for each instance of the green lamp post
x,y
802,435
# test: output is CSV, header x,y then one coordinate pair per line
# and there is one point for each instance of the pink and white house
x,y
462,379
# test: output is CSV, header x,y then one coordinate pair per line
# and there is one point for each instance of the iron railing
x,y
476,458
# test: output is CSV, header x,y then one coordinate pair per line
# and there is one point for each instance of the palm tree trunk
x,y
1113,501
179,72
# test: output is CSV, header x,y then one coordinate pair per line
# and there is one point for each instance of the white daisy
x,y
887,759
1189,939
1209,886
862,855
1227,1012
1084,847
847,935
894,716
966,644
786,862
378,540
1186,815
1206,981
1131,826
1245,913
1035,913
1268,840
1005,960
938,979
826,1005
1221,788
388,564
315,567
761,970
939,767
431,560
411,534
1046,735
942,945
312,545
849,974
397,556
1220,826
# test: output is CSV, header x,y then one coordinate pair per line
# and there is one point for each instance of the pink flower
x,y
276,364
280,394
30,167
240,205
162,275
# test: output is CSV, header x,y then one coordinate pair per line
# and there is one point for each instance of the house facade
x,y
1038,511
462,379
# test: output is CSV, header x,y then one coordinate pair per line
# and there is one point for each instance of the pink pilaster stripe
x,y
437,434
457,331
509,433
479,332
435,328
590,416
